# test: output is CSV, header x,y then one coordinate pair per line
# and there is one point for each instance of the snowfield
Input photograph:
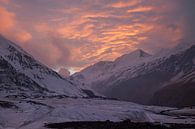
x,y
33,114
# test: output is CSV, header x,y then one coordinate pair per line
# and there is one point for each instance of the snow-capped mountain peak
x,y
22,63
132,57
142,53
105,69
129,76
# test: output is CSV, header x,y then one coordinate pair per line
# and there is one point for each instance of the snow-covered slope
x,y
131,58
21,63
33,114
105,69
139,81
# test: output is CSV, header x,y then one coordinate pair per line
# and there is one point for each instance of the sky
x,y
69,35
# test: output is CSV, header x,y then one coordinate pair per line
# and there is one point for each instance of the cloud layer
x,y
74,34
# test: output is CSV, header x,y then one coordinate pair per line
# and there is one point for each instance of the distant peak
x,y
139,53
138,50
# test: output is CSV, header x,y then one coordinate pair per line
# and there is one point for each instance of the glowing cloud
x,y
122,4
140,9
4,1
7,20
23,36
75,34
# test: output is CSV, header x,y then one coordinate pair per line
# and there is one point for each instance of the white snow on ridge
x,y
105,69
45,77
131,58
105,74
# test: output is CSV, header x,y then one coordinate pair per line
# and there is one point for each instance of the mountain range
x,y
164,79
33,95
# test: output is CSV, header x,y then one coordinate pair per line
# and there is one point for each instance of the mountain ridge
x,y
46,78
100,68
139,82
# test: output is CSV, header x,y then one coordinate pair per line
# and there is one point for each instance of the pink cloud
x,y
23,36
7,20
4,1
77,34
122,4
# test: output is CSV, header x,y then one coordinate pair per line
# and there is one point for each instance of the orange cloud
x,y
42,27
115,38
11,28
7,20
4,1
81,26
122,4
140,9
23,36
86,32
72,32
